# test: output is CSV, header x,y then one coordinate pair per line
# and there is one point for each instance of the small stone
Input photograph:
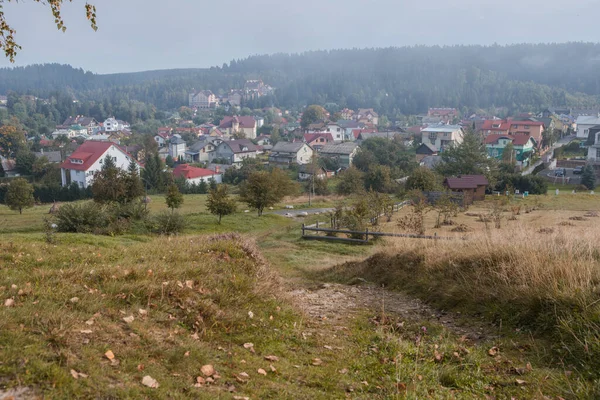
x,y
150,382
207,370
74,300
129,319
110,355
142,312
262,371
9,303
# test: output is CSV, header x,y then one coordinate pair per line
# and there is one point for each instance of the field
x,y
279,317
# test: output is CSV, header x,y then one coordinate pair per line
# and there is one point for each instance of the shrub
x,y
88,217
167,223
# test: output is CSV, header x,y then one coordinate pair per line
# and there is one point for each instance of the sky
x,y
140,35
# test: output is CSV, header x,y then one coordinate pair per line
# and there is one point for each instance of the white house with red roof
x,y
80,166
196,175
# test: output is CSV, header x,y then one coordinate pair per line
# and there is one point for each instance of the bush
x,y
167,223
527,183
88,217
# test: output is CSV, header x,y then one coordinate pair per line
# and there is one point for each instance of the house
x,y
203,99
425,150
347,114
430,162
442,136
114,125
338,133
9,166
3,101
245,124
535,129
51,156
88,123
81,165
344,153
161,139
69,133
263,140
235,97
584,123
201,150
255,88
446,115
367,115
348,126
593,155
523,146
317,140
234,151
260,121
194,175
472,186
307,171
177,147
286,153
494,127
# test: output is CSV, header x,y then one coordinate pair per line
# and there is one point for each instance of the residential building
x,y
256,88
177,147
235,97
584,123
523,147
161,138
75,131
81,165
263,140
90,124
3,101
244,124
194,175
367,115
202,149
442,136
347,114
286,153
9,166
472,186
495,127
114,125
317,140
593,142
52,156
234,151
203,99
307,171
535,129
260,122
446,115
425,150
344,153
348,126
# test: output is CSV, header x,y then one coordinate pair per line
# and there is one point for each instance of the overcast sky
x,y
137,35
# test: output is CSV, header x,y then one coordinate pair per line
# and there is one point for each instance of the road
x,y
297,212
546,157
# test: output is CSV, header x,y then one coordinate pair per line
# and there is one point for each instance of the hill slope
x,y
393,80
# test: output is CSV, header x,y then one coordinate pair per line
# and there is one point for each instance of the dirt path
x,y
334,304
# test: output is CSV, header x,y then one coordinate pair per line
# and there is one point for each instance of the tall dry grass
x,y
546,281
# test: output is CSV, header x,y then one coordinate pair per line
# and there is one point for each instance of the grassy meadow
x,y
167,306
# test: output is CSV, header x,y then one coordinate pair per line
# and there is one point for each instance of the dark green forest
x,y
394,81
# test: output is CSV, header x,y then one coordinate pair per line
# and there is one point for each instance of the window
x,y
432,136
76,161
586,131
597,154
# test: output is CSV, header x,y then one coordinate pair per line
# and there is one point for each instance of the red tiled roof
x,y
189,172
310,137
466,182
490,125
89,152
517,140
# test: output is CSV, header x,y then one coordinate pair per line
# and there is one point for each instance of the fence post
x,y
302,229
366,234
317,224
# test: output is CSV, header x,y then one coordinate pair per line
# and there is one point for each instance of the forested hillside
x,y
392,80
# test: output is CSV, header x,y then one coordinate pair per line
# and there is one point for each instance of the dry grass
x,y
548,283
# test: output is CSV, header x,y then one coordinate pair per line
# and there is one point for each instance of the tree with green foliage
x,y
509,154
134,188
588,177
265,189
153,172
379,179
108,185
170,161
311,115
173,198
423,179
220,203
12,140
19,195
351,182
467,158
2,173
185,113
25,160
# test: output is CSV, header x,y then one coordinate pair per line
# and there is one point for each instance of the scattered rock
x,y
317,361
271,358
262,371
129,319
207,370
150,382
110,355
78,375
74,300
9,303
250,314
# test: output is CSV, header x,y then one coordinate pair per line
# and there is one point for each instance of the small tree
x,y
19,195
220,203
422,179
174,198
446,209
351,182
264,189
133,184
109,184
588,177
170,161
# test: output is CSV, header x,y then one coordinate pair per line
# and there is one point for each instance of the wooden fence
x,y
364,235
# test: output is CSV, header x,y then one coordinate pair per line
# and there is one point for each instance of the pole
x,y
302,229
